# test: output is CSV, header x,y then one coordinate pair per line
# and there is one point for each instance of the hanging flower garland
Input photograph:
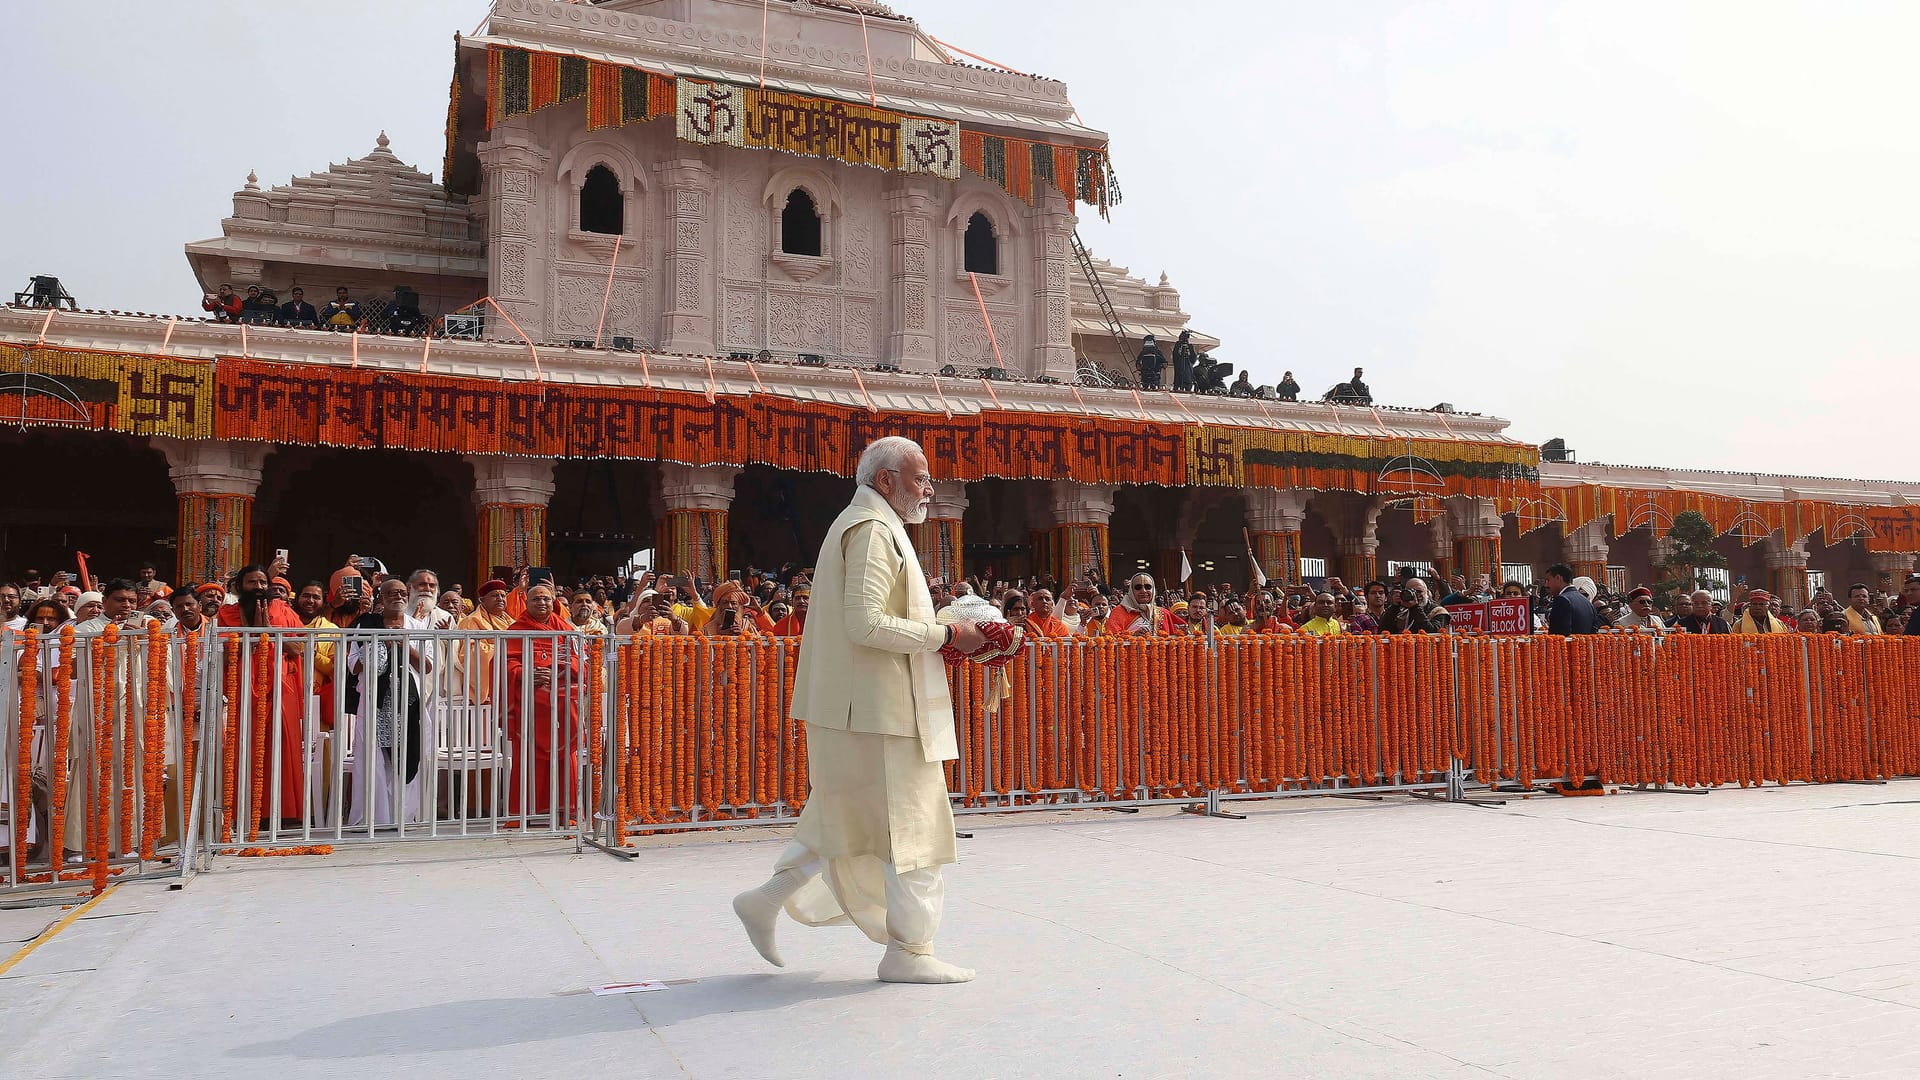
x,y
29,709
230,743
62,732
103,713
153,747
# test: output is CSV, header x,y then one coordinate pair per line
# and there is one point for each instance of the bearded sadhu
x,y
542,732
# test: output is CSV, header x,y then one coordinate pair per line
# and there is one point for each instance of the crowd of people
x,y
775,603
261,306
1195,372
404,683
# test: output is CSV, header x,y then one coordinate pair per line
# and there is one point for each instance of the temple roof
x,y
374,212
1142,308
845,50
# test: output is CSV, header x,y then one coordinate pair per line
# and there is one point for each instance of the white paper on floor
x,y
627,988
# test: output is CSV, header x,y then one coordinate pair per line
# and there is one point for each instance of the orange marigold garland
x,y
262,703
230,743
102,779
596,718
128,790
189,715
62,733
29,707
154,746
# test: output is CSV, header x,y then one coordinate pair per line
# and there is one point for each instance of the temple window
x,y
602,209
800,225
982,247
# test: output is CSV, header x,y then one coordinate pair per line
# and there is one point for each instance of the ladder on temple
x,y
1122,340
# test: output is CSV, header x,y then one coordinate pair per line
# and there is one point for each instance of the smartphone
x,y
539,575
501,573
726,619
350,588
733,575
280,555
366,565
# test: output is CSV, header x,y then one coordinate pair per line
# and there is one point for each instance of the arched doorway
x,y
780,517
409,510
73,491
600,514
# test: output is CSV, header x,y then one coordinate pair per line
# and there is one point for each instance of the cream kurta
x,y
878,819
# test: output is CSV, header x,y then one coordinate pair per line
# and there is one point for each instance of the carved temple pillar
x,y
1357,543
1440,547
1274,519
937,540
510,162
510,497
1585,550
1052,331
1076,536
1476,540
1787,572
1890,569
910,339
215,481
692,540
689,323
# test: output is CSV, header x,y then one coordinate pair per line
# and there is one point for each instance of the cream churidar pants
x,y
876,830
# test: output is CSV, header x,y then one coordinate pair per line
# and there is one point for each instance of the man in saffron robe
x,y
255,606
796,621
546,669
476,656
1044,615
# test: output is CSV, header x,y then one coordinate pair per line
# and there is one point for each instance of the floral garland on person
x,y
29,709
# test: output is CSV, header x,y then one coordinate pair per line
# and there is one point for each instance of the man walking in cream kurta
x,y
872,691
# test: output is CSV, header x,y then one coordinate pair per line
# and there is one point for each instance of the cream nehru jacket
x,y
869,656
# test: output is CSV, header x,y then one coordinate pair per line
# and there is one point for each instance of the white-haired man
x,y
877,827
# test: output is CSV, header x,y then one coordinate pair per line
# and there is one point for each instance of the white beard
x,y
915,513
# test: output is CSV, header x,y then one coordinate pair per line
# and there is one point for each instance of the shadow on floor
x,y
495,1022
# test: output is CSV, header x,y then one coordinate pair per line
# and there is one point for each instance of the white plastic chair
x,y
468,742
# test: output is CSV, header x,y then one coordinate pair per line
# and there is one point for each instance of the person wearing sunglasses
x,y
1138,613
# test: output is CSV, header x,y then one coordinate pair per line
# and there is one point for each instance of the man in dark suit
x,y
297,312
1572,612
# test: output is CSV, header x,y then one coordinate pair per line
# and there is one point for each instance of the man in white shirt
x,y
423,601
1640,614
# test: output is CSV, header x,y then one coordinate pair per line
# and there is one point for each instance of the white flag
x,y
1186,568
1259,575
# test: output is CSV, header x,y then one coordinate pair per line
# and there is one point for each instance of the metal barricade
x,y
381,735
94,780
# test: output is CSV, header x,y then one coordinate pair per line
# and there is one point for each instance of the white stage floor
x,y
1761,933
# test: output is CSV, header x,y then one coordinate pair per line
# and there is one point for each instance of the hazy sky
x,y
1680,234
